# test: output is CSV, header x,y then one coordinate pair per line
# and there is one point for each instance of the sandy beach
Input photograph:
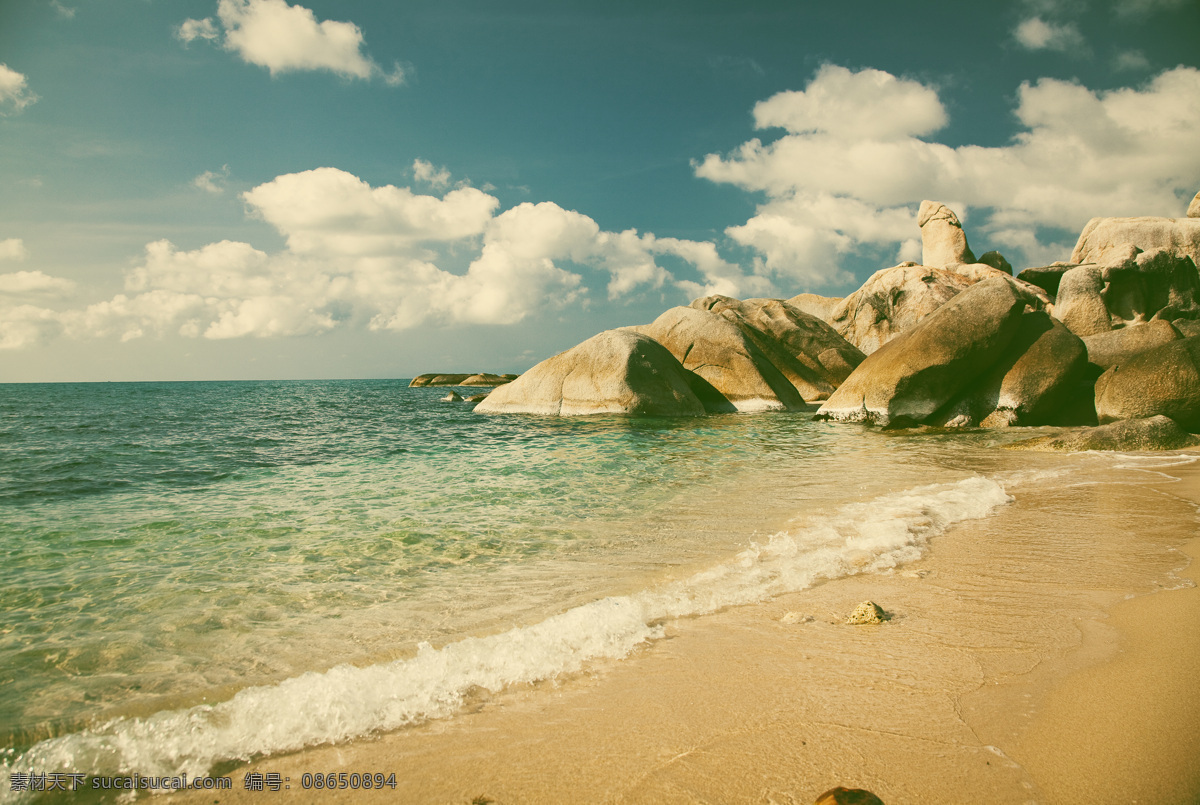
x,y
1045,654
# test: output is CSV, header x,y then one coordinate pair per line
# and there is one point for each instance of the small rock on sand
x,y
867,612
848,796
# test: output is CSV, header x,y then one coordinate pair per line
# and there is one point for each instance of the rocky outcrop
x,y
453,396
1080,301
719,351
617,371
482,379
809,353
943,242
910,378
892,301
814,305
1029,385
1193,210
1046,277
1179,236
996,261
1118,346
1164,380
1154,433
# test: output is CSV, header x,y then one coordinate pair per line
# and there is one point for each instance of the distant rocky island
x,y
1111,335
480,379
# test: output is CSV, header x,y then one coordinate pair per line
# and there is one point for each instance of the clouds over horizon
x,y
373,257
835,186
286,38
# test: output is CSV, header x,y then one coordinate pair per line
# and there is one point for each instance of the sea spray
x,y
346,701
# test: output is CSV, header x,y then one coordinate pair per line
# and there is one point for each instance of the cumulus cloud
x,y
431,175
33,283
375,257
1038,34
285,38
1131,60
14,91
13,249
212,181
834,190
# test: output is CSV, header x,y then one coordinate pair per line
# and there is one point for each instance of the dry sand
x,y
1017,667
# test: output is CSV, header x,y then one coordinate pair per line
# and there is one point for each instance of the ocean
x,y
199,572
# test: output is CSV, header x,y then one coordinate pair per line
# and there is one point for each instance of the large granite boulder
x,y
1155,433
717,350
892,301
943,242
1180,236
1164,380
1046,277
615,372
1030,383
907,380
809,353
996,261
1080,301
1118,346
814,305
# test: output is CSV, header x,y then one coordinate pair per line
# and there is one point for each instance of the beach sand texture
x,y
1024,661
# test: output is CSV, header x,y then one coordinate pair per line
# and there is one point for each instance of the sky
x,y
262,189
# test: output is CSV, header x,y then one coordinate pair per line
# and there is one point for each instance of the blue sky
x,y
237,189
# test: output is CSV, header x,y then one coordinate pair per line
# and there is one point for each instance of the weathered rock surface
x,y
1180,236
1154,433
809,352
867,612
910,378
814,305
943,242
1080,304
486,379
616,371
717,350
1118,346
1193,210
1029,384
453,396
996,261
1186,327
892,301
1046,277
1164,380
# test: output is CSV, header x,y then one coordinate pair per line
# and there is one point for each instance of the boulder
x,y
477,398
1180,236
717,350
892,301
809,353
943,242
453,396
1046,277
614,372
1193,210
996,261
813,305
1080,304
867,612
1155,433
1029,384
1163,380
1118,346
910,378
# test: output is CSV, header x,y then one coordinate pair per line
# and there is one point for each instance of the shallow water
x,y
201,571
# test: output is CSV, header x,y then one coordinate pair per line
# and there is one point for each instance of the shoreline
x,y
1009,672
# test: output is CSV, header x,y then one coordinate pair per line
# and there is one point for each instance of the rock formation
x,y
617,371
716,349
814,305
1180,236
481,379
893,300
809,353
911,377
943,242
1046,277
1164,380
1155,433
1118,346
997,261
1193,210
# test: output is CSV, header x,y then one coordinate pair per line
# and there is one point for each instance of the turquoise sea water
x,y
195,572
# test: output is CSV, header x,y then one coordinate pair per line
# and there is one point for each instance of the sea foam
x,y
347,701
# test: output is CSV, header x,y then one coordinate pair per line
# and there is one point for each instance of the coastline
x,y
1009,672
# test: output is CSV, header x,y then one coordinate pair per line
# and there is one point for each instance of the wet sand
x,y
1024,661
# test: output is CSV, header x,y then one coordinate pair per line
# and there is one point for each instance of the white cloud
x,y
837,189
14,90
34,283
1037,34
212,181
64,12
25,326
284,38
1131,60
191,30
429,174
13,249
363,256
